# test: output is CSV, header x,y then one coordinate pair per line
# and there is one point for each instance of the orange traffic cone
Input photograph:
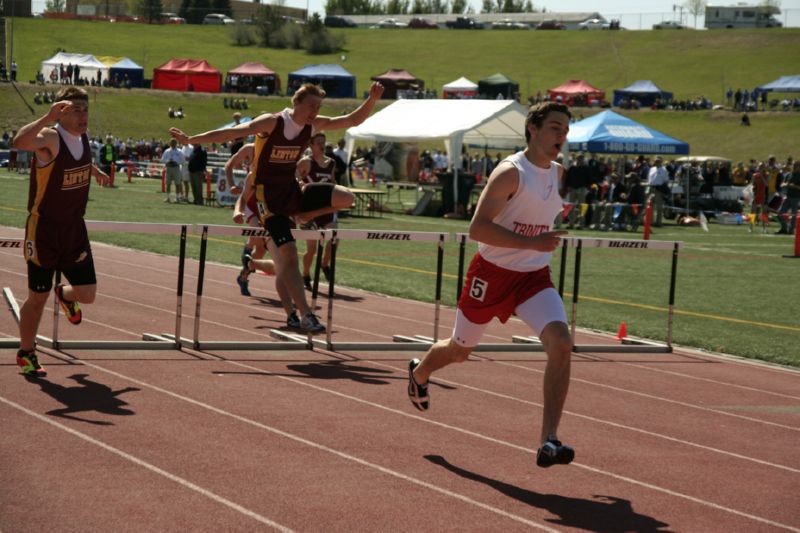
x,y
623,331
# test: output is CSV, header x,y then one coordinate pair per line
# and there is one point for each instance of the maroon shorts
x,y
492,291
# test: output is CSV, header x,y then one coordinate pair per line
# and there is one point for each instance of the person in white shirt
x,y
657,180
186,150
173,159
510,274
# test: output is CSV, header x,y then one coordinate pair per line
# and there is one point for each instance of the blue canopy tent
x,y
126,67
611,133
645,91
784,84
337,82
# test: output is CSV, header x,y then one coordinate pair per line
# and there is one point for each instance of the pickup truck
x,y
464,23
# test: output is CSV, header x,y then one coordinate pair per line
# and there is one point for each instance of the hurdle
x,y
289,342
532,343
399,342
15,243
149,341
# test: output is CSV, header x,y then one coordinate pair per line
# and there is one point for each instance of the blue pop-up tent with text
x,y
611,133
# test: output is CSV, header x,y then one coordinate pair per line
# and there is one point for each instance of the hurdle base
x,y
9,343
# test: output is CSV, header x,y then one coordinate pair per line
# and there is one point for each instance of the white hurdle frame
x,y
290,341
295,341
532,343
399,342
11,342
149,341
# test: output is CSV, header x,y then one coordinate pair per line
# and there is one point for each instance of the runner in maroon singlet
x,y
55,233
280,141
314,169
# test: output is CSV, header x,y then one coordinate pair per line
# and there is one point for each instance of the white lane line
x,y
709,380
281,433
653,397
480,436
611,423
177,479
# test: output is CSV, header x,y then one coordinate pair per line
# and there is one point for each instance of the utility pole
x,y
11,42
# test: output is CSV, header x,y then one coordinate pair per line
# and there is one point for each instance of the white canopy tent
x,y
499,124
89,65
460,88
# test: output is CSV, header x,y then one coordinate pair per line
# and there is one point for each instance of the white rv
x,y
742,16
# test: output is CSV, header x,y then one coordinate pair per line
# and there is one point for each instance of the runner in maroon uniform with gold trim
x,y
316,172
281,139
55,233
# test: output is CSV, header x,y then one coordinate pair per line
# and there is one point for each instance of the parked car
x,y
217,18
464,23
171,18
334,21
509,24
668,25
593,24
420,23
550,25
391,23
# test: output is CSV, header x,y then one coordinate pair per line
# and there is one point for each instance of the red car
x,y
424,24
550,25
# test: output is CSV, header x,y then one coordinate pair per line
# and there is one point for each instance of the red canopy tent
x,y
577,92
187,75
398,80
248,77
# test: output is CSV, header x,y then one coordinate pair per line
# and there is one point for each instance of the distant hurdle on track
x,y
289,340
149,341
578,244
297,341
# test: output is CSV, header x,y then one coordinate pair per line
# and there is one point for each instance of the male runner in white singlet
x,y
510,274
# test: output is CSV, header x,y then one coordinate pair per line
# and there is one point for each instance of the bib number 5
x,y
478,289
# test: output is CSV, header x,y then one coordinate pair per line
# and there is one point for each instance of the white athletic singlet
x,y
531,211
291,129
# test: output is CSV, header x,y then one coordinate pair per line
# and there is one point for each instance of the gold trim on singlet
x,y
43,175
261,199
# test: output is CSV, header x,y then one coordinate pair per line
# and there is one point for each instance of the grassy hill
x,y
689,63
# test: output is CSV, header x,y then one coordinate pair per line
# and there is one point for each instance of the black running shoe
x,y
327,272
244,284
293,321
311,324
418,394
307,282
552,453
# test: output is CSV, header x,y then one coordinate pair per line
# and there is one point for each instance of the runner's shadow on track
x,y
340,370
608,514
87,396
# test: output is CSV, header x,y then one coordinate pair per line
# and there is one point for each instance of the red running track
x,y
173,440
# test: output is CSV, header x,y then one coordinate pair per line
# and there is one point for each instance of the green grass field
x,y
735,292
689,63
